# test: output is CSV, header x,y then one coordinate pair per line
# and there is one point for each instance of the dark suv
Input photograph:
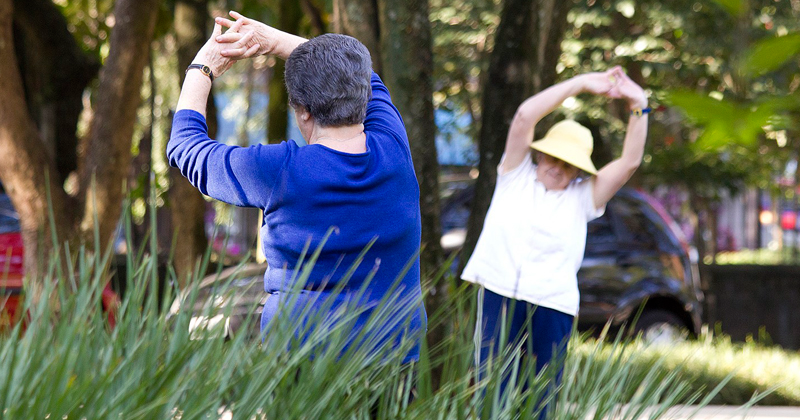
x,y
636,258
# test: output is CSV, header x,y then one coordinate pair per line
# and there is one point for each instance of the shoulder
x,y
583,191
526,170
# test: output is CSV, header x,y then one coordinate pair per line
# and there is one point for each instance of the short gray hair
x,y
329,76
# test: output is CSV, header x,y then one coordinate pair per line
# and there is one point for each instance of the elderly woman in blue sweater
x,y
351,188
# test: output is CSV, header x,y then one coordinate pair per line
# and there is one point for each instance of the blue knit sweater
x,y
307,192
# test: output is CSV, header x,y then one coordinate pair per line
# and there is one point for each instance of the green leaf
x,y
770,54
701,108
733,7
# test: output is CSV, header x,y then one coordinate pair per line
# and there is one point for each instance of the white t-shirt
x,y
533,240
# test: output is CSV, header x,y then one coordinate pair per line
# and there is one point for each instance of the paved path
x,y
717,412
714,412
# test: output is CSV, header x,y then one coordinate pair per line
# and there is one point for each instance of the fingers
x,y
229,37
232,37
620,74
224,22
236,15
236,53
217,30
240,49
232,25
251,51
237,25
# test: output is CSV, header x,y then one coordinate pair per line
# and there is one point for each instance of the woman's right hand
x,y
628,90
259,44
212,52
600,83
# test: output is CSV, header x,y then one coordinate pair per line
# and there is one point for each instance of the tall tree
x,y
398,35
523,62
359,19
187,206
54,71
29,171
407,57
289,15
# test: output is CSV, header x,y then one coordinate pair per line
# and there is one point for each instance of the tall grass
x,y
68,363
747,369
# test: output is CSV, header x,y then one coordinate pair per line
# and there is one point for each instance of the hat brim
x,y
566,152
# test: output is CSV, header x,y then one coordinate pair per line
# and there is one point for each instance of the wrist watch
x,y
203,69
640,111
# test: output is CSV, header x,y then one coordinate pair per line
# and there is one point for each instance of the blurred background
x,y
88,88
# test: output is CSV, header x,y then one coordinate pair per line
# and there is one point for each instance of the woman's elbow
x,y
632,164
172,153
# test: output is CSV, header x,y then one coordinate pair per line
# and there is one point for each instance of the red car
x,y
12,270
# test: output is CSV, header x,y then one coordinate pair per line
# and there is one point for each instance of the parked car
x,y
12,269
11,264
636,258
636,264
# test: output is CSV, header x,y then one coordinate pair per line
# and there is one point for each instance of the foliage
x,y
785,255
462,37
730,66
68,362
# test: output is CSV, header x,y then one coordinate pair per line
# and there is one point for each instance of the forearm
x,y
194,93
635,137
279,43
287,44
538,106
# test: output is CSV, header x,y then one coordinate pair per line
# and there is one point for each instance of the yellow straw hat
x,y
570,142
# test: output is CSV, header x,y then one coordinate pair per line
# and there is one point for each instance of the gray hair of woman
x,y
329,76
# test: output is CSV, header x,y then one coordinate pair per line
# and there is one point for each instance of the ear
x,y
302,113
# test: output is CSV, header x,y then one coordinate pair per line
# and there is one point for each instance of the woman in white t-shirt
x,y
529,252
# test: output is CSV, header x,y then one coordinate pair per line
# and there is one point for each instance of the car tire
x,y
659,326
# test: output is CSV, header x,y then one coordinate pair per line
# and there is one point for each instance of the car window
x,y
455,212
600,236
9,219
636,230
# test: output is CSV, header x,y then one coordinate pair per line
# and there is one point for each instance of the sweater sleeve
x,y
382,114
243,176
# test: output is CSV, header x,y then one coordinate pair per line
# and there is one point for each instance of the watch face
x,y
206,70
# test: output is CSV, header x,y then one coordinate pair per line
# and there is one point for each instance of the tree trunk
x,y
187,205
407,58
314,14
408,73
106,152
359,19
26,167
55,71
278,106
141,166
523,62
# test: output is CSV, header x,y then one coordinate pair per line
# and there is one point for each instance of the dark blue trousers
x,y
545,331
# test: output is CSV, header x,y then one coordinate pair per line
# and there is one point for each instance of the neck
x,y
349,138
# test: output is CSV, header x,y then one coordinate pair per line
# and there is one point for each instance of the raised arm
x,y
236,175
197,84
533,109
615,174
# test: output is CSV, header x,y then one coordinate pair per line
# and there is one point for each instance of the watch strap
x,y
203,69
641,111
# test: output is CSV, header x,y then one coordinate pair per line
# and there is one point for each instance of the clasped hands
x,y
615,84
244,38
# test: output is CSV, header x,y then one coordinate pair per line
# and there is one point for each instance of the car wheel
x,y
658,326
